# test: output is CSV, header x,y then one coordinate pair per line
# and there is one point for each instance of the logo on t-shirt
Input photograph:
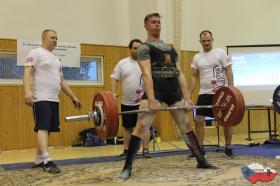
x,y
29,60
140,91
218,79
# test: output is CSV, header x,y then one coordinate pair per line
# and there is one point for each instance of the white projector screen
x,y
256,70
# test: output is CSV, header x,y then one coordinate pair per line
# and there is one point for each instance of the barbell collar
x,y
77,118
90,116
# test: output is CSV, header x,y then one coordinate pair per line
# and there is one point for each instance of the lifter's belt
x,y
165,72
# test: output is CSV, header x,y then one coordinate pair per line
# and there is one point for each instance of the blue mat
x,y
268,150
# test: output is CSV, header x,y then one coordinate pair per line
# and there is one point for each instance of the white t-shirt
x,y
211,66
130,73
47,74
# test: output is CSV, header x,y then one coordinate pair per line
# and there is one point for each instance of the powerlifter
x,y
164,82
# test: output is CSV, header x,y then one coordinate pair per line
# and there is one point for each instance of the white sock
x,y
38,159
46,157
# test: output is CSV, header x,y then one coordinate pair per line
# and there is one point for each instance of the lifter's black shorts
x,y
129,120
46,116
166,90
204,99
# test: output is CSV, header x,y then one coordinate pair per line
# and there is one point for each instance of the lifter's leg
x,y
142,126
182,120
199,128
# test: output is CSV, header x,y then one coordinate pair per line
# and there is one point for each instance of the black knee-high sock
x,y
133,148
192,143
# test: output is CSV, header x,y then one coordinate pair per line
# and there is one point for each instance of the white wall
x,y
108,22
87,21
233,22
115,22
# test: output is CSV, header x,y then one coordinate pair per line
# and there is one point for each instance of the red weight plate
x,y
241,104
109,106
233,113
115,119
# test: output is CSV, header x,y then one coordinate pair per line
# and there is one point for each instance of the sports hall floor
x,y
60,153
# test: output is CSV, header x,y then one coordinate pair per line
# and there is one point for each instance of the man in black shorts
x,y
213,67
42,82
128,71
164,82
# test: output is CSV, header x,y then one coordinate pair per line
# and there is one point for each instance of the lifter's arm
x,y
182,82
145,66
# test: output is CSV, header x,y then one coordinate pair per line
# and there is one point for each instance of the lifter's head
x,y
153,25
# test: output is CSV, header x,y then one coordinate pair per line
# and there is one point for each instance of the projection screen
x,y
256,70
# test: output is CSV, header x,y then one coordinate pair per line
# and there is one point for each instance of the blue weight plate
x,y
276,99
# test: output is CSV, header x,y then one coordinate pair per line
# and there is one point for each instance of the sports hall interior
x,y
104,28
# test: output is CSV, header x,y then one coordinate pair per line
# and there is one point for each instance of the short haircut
x,y
204,32
147,17
44,33
133,41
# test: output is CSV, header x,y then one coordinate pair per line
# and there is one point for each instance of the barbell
x,y
228,107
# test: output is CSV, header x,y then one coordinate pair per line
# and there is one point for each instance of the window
x,y
90,71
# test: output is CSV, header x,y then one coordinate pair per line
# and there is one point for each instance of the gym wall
x,y
16,119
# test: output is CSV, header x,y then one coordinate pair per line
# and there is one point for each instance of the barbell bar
x,y
228,107
172,108
93,115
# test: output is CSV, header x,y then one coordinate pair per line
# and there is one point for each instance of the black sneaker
x,y
146,154
203,164
37,165
51,167
126,173
192,156
229,153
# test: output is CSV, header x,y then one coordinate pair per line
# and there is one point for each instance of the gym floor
x,y
60,153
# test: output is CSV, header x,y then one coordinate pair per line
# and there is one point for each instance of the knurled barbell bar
x,y
228,107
